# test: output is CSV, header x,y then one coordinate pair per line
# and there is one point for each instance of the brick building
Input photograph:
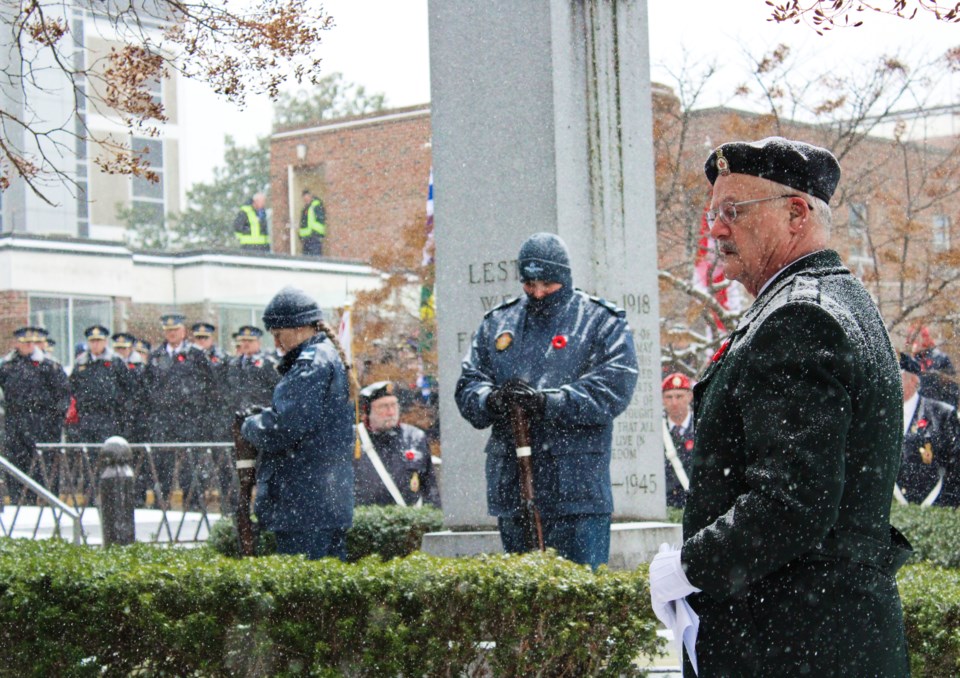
x,y
898,196
371,172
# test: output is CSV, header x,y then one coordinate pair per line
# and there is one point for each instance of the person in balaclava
x,y
568,361
305,438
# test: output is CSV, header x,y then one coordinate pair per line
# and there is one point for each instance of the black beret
x,y
909,364
804,167
375,391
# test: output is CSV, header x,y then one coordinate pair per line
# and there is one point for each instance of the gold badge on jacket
x,y
415,482
504,339
926,453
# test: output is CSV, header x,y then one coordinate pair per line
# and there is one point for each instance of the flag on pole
x,y
708,271
428,309
345,334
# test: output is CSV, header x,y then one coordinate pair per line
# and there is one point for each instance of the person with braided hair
x,y
304,440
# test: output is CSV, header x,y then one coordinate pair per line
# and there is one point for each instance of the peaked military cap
x,y
30,333
123,340
248,332
676,380
170,321
796,164
51,342
910,364
203,329
142,345
96,332
375,391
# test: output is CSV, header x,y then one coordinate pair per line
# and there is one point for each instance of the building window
x,y
941,232
857,230
147,196
65,318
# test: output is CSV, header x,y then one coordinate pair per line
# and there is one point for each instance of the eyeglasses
x,y
728,210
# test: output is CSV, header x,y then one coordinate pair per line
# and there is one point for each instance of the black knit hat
x,y
909,364
291,307
544,257
804,167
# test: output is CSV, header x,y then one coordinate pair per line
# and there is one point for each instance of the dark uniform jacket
x,y
36,396
219,413
683,444
404,453
305,443
102,387
136,420
797,449
251,380
580,351
178,389
930,450
938,380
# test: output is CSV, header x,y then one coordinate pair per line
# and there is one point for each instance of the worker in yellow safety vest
x,y
313,225
250,226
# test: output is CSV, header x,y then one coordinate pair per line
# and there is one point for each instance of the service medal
x,y
504,339
926,453
415,482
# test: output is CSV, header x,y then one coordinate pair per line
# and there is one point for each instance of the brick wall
x,y
371,172
14,313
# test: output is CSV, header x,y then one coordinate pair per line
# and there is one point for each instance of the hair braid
x,y
351,375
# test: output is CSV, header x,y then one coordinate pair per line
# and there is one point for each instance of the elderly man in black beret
x,y
788,556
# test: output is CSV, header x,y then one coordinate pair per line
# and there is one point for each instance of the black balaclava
x,y
544,257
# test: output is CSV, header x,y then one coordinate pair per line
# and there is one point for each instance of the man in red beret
x,y
677,437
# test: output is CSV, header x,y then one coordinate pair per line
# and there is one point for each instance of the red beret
x,y
676,381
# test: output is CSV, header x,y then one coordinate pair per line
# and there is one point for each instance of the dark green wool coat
x,y
799,427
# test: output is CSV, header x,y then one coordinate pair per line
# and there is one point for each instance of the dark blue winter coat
x,y
580,351
305,443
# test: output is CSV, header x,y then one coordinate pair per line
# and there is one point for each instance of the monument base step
x,y
630,543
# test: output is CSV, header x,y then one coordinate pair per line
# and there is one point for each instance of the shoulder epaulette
x,y
308,353
805,288
609,305
506,304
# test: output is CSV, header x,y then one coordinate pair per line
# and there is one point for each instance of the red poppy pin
x,y
259,363
410,455
180,357
559,342
921,423
131,366
36,364
688,445
720,351
107,364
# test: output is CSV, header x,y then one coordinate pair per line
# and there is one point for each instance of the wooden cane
x,y
521,437
247,472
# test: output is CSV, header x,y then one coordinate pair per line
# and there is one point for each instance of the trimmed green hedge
x,y
931,611
934,533
387,531
148,611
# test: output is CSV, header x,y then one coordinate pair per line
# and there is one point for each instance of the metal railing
x,y
182,489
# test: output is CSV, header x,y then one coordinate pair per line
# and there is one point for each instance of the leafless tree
x,y
239,49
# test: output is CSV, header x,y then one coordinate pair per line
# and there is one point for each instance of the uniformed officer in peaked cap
x,y
218,417
568,360
252,375
36,396
143,347
402,449
102,385
178,380
135,409
788,549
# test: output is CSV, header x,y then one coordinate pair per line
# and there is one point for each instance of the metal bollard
x,y
116,492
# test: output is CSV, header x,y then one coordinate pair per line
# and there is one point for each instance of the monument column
x,y
541,119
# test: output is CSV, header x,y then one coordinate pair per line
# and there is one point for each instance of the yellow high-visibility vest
x,y
314,225
254,237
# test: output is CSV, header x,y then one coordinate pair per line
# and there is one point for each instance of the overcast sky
x,y
383,45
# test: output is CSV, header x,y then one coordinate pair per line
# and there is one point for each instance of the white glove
x,y
667,578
